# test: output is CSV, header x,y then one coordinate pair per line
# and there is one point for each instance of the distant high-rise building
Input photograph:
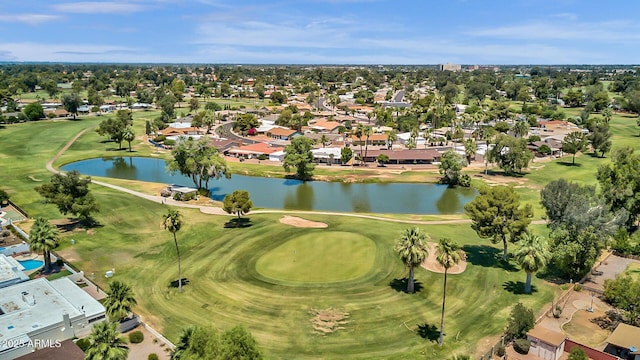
x,y
450,67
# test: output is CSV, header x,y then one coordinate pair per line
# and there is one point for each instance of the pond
x,y
390,198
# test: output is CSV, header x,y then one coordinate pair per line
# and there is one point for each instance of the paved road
x,y
321,104
399,96
232,136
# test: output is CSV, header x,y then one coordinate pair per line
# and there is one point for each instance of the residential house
x,y
40,312
373,140
223,145
624,342
254,150
546,344
414,156
282,133
330,127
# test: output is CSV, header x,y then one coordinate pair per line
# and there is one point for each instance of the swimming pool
x,y
31,264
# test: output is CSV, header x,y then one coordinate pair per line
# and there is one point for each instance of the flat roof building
x,y
40,313
11,272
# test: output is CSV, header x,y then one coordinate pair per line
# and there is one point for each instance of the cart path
x,y
212,210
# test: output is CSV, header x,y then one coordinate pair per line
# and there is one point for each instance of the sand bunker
x,y
431,264
300,222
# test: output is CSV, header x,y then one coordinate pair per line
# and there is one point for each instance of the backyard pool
x,y
31,264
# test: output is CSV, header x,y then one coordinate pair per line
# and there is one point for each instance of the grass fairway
x,y
226,287
318,257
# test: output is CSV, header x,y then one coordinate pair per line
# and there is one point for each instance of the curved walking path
x,y
212,210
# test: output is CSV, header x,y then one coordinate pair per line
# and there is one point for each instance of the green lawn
x,y
633,270
319,257
236,278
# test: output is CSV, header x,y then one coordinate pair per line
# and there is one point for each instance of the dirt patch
x,y
581,329
300,222
327,321
431,264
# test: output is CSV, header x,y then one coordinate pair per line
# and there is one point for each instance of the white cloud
x,y
96,7
609,31
32,19
31,51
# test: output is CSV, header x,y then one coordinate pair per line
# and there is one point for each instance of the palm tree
x,y
184,342
43,237
324,140
392,137
448,254
412,249
106,344
172,222
358,133
521,128
128,135
120,300
368,131
532,256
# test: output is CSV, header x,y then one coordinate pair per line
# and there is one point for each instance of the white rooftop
x,y
10,271
39,303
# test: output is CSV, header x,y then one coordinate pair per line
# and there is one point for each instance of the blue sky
x,y
322,31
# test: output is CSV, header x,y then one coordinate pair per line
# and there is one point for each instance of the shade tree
x,y
70,193
496,214
199,161
237,203
298,155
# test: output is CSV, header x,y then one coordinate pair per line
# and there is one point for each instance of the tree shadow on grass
x,y
238,223
568,163
428,331
174,283
400,285
517,287
487,256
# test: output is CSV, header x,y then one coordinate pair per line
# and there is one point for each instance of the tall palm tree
x,y
448,254
128,135
412,249
120,300
106,344
358,132
324,140
392,137
172,222
532,256
43,237
521,128
368,131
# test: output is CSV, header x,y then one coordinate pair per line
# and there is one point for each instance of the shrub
x,y
521,346
160,138
153,356
465,180
521,320
577,354
263,157
499,350
177,196
169,142
136,337
189,196
51,115
534,138
544,150
577,287
83,344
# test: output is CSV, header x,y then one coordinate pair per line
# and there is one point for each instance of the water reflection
x,y
301,199
392,198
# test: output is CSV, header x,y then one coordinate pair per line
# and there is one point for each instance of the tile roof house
x,y
282,133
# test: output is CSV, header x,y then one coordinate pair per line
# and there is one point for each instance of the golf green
x,y
318,257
